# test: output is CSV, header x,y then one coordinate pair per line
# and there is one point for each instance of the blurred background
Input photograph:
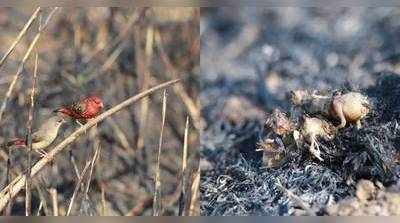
x,y
250,59
114,53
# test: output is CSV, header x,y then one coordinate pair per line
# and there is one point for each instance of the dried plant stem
x,y
8,180
39,208
103,200
28,195
133,18
18,183
123,139
157,206
97,148
183,197
144,107
20,35
54,200
22,64
42,199
179,89
77,186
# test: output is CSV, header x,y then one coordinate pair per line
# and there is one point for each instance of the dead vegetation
x,y
115,53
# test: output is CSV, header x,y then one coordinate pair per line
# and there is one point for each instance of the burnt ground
x,y
250,59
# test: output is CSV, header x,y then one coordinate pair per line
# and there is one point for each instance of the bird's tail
x,y
67,112
15,142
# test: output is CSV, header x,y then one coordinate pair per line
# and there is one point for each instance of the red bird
x,y
84,109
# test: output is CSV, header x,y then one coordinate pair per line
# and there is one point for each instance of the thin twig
x,y
28,195
22,63
182,198
157,206
20,35
77,186
18,183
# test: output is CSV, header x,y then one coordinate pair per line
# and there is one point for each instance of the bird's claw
x,y
41,152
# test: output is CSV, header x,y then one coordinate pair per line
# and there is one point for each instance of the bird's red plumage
x,y
87,108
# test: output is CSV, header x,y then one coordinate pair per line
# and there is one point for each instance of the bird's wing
x,y
79,107
37,137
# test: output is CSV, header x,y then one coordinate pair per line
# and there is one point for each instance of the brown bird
x,y
84,109
42,138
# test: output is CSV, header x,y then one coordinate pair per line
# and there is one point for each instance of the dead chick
x,y
278,123
349,108
311,102
311,129
277,128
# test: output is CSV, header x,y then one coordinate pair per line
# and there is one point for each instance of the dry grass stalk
x,y
144,107
120,135
42,200
18,183
103,201
22,63
28,195
77,186
183,197
39,208
20,35
54,201
194,199
179,89
157,206
96,154
133,18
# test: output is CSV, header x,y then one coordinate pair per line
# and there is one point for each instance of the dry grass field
x,y
121,165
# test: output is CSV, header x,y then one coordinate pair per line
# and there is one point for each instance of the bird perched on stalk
x,y
87,108
42,138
